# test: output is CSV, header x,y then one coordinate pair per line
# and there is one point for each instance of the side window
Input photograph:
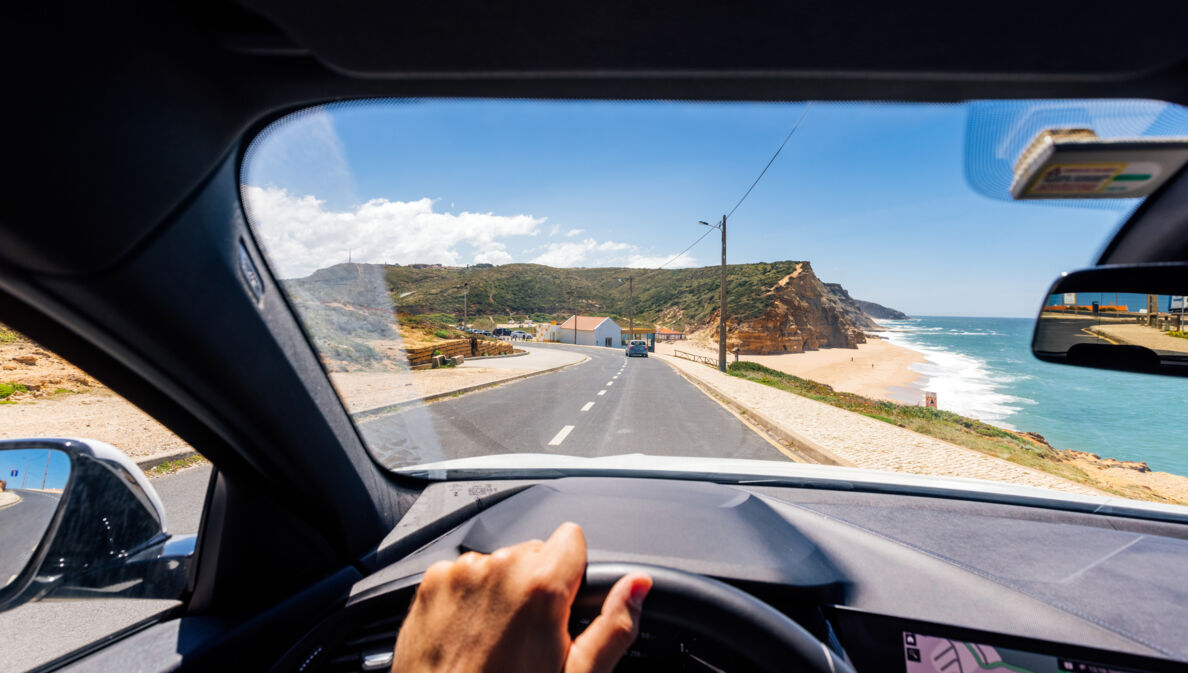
x,y
44,396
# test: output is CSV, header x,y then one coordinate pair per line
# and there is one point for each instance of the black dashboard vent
x,y
367,648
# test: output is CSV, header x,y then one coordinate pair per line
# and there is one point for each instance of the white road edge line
x,y
601,392
556,441
587,407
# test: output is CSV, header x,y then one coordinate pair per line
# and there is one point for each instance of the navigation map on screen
x,y
929,654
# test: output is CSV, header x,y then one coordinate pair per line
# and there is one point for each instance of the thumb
x,y
603,643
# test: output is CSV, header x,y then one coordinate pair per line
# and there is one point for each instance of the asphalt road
x,y
1057,335
21,527
609,405
183,494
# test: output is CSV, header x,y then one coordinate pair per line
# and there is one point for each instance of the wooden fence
x,y
703,359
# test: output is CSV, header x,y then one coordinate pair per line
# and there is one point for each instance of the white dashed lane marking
x,y
587,407
601,392
610,383
560,436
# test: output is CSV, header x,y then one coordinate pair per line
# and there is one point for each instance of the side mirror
x,y
1128,318
78,518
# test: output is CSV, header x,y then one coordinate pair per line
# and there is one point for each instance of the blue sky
x,y
876,196
30,466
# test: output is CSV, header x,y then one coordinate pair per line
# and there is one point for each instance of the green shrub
x,y
7,389
442,334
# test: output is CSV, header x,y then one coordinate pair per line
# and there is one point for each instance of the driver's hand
x,y
510,612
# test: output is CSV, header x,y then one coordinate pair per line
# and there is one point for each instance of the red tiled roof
x,y
585,323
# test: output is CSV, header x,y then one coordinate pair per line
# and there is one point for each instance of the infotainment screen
x,y
930,654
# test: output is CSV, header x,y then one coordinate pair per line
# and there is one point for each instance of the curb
x,y
153,461
391,408
14,502
493,357
810,449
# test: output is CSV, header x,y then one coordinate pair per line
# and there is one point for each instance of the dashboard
x,y
890,583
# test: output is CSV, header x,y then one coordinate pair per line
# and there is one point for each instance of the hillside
x,y
776,306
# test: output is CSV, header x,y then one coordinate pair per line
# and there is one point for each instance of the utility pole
x,y
46,473
465,287
630,306
722,298
722,318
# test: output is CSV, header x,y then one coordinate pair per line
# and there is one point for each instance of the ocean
x,y
983,368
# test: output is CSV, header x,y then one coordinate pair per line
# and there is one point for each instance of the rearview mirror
x,y
1129,318
78,518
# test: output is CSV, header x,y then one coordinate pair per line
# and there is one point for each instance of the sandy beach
x,y
877,369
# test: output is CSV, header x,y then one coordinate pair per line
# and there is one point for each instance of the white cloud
x,y
493,256
646,262
575,232
555,230
301,235
580,253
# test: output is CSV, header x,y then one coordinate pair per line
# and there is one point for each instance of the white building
x,y
546,332
590,331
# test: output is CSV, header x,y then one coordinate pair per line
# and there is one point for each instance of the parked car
x,y
637,347
501,332
520,335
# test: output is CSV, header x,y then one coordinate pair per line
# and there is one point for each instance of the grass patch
x,y
171,466
442,334
1175,333
64,391
944,425
7,389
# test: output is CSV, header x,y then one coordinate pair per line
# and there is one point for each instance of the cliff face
x,y
879,311
803,314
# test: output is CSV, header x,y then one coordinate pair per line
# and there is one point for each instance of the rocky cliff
x,y
802,314
880,312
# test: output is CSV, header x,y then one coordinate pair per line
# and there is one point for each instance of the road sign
x,y
1177,303
1070,298
13,473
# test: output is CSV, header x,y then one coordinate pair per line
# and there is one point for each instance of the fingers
x,y
565,553
603,643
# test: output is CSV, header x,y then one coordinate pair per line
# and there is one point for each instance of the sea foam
x,y
963,383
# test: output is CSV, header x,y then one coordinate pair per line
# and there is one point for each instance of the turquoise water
x,y
983,367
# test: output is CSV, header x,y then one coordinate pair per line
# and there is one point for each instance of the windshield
x,y
536,284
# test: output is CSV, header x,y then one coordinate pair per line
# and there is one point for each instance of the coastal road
x,y
608,405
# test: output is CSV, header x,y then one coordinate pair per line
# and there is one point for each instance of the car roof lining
x,y
176,86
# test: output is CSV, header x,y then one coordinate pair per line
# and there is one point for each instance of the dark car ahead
x,y
637,347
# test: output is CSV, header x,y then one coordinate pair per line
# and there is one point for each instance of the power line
x,y
772,160
678,255
749,189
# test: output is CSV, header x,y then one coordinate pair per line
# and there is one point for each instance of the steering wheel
x,y
712,609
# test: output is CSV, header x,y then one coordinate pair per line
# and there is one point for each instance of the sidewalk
x,y
865,442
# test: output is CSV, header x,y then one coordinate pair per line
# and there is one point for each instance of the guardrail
x,y
703,359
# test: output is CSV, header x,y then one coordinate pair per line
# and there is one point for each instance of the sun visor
x,y
1084,153
1077,164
